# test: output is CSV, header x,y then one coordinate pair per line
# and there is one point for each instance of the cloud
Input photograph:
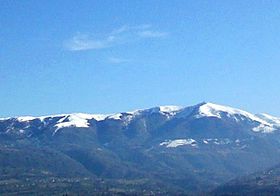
x,y
127,28
116,60
152,34
84,42
118,36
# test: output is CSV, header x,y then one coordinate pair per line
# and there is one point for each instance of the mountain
x,y
258,183
165,149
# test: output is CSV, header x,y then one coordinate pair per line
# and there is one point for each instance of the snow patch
x,y
270,119
214,110
264,128
205,142
266,122
216,141
178,142
78,120
72,121
26,118
222,141
170,109
117,116
6,118
21,131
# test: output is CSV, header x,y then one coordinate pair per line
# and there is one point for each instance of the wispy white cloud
x,y
118,36
117,60
131,29
153,34
85,42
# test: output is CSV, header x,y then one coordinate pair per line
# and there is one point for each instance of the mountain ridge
x,y
267,123
189,149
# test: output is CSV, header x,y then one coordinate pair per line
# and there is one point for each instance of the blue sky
x,y
111,56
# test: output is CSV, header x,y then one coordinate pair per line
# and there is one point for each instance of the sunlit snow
x,y
178,142
263,122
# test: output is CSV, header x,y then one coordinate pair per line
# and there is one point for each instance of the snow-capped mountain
x,y
203,145
263,122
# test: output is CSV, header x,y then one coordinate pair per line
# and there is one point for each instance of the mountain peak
x,y
214,110
263,122
170,108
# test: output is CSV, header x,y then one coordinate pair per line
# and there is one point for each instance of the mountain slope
x,y
190,149
262,183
